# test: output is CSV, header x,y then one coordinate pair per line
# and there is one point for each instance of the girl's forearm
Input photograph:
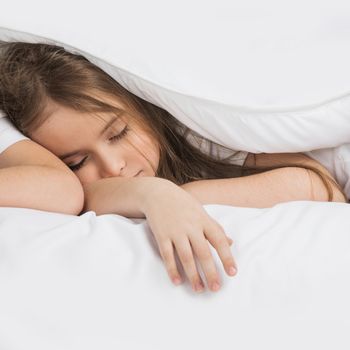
x,y
123,196
40,187
263,190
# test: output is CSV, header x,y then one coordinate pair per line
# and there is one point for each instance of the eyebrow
x,y
105,128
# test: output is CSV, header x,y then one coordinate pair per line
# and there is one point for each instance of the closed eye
x,y
120,135
76,167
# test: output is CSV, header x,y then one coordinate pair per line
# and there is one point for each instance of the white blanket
x,y
98,282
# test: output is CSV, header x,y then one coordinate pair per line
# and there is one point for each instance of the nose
x,y
112,167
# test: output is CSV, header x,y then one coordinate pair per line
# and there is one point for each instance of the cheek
x,y
147,153
154,154
146,146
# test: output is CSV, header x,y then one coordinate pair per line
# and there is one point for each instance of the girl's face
x,y
98,147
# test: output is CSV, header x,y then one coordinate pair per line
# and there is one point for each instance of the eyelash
x,y
114,138
120,135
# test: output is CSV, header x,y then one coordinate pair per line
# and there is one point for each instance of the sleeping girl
x,y
135,159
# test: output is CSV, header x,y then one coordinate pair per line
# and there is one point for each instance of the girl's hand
x,y
178,221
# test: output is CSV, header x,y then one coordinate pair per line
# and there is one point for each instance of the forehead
x,y
114,106
63,120
66,129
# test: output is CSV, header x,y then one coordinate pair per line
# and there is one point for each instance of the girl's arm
x,y
268,188
122,196
176,219
32,177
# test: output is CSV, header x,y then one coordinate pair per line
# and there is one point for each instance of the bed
x,y
98,282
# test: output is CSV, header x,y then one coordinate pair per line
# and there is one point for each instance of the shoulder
x,y
27,152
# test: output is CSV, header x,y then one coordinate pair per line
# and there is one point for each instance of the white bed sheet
x,y
97,282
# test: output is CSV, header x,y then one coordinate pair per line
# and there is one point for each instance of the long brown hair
x,y
33,73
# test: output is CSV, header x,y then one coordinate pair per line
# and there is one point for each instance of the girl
x,y
135,159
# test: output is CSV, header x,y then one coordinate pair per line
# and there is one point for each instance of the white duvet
x,y
98,282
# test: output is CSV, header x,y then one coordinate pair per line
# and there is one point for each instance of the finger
x,y
218,239
203,253
229,240
184,251
217,226
167,253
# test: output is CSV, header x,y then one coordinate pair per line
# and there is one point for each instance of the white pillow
x,y
259,77
8,134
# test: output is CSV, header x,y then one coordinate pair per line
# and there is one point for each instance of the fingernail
x,y
198,287
215,286
232,271
177,280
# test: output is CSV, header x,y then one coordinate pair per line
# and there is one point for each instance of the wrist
x,y
151,188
